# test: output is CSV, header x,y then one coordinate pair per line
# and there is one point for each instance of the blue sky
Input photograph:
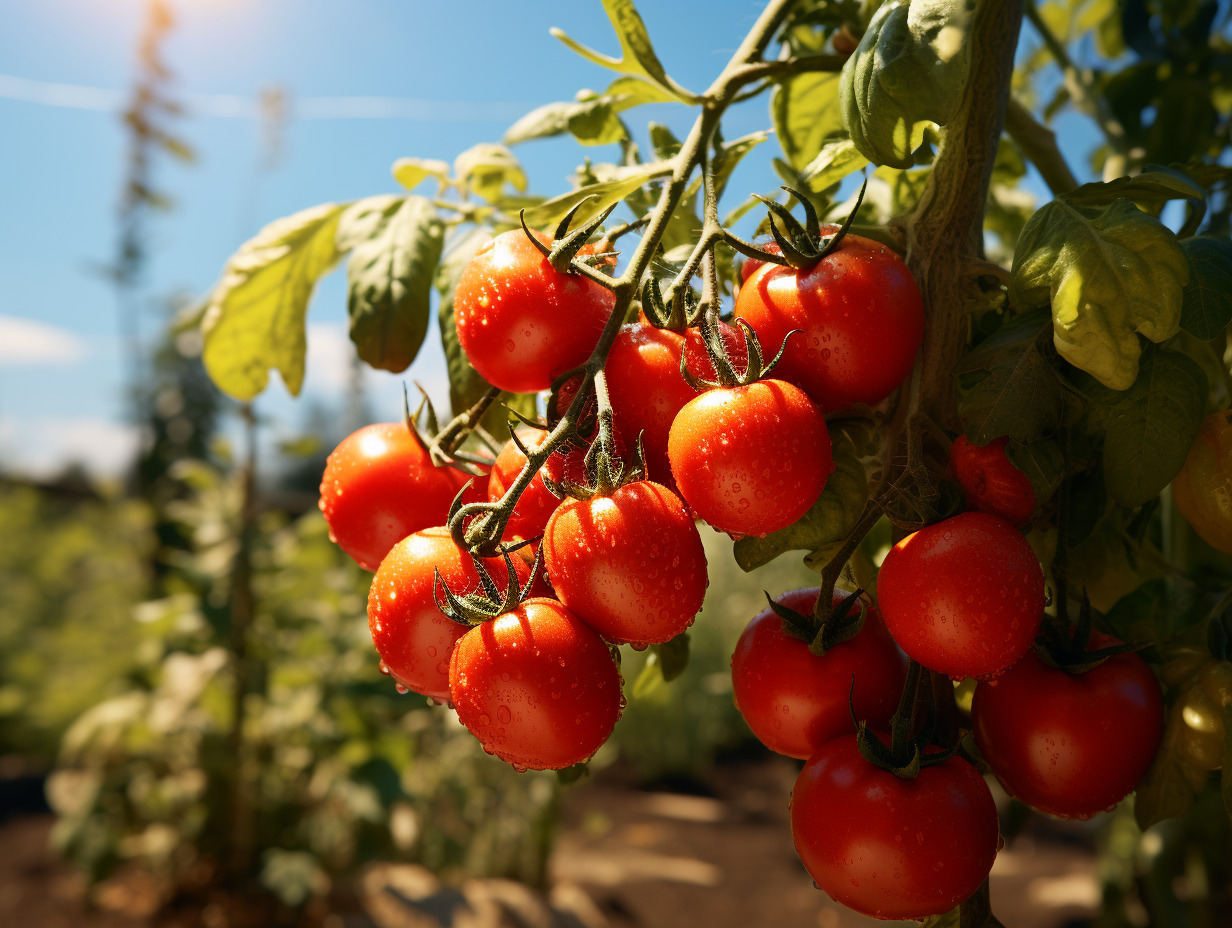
x,y
461,72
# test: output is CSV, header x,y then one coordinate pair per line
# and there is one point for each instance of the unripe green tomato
x,y
1216,681
1202,733
1184,667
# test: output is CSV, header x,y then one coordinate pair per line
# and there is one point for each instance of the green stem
x,y
1039,144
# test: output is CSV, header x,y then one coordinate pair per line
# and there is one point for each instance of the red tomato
x,y
537,502
413,637
749,265
630,565
889,847
793,700
536,686
646,389
379,486
964,597
698,360
861,317
991,482
519,320
750,460
1067,744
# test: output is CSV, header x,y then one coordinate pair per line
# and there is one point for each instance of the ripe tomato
x,y
861,315
890,847
379,486
537,502
413,637
697,360
794,701
1067,744
964,596
991,482
750,265
1203,489
536,686
750,460
519,320
630,565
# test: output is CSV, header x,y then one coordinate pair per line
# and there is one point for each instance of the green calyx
x,y
804,245
1069,649
904,756
725,373
473,608
566,244
824,628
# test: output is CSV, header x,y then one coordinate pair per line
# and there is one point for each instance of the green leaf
x,y
254,320
389,286
1043,463
364,219
637,53
410,172
1006,385
1151,425
628,92
1206,303
616,183
909,69
833,162
806,114
1109,276
591,122
1154,188
828,521
486,168
674,656
729,154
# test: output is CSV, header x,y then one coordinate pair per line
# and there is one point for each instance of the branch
x,y
1039,144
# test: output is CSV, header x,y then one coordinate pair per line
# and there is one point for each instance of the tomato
x,y
697,359
536,686
750,265
1202,490
630,565
536,504
1067,744
793,700
964,597
646,389
750,460
861,317
413,637
889,847
520,321
991,482
379,486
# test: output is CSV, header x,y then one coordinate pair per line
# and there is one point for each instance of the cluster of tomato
x,y
536,677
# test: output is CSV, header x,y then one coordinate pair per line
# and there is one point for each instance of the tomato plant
x,y
750,459
536,505
1203,488
860,315
414,639
1070,744
379,486
796,701
536,686
891,847
991,482
520,321
964,596
630,565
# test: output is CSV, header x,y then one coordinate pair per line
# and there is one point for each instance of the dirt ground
x,y
626,858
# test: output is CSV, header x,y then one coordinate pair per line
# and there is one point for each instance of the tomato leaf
x,y
389,285
806,114
628,92
1109,276
828,521
1206,303
410,172
674,656
1006,385
909,69
365,219
1153,188
254,319
834,161
1150,426
1043,463
614,184
591,122
485,169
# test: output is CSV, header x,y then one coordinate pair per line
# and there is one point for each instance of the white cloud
x,y
28,342
44,447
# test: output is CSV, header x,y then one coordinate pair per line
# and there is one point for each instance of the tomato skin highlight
x,y
796,702
991,482
964,596
630,565
1203,488
750,460
519,320
861,318
536,686
414,638
1071,745
379,486
888,847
